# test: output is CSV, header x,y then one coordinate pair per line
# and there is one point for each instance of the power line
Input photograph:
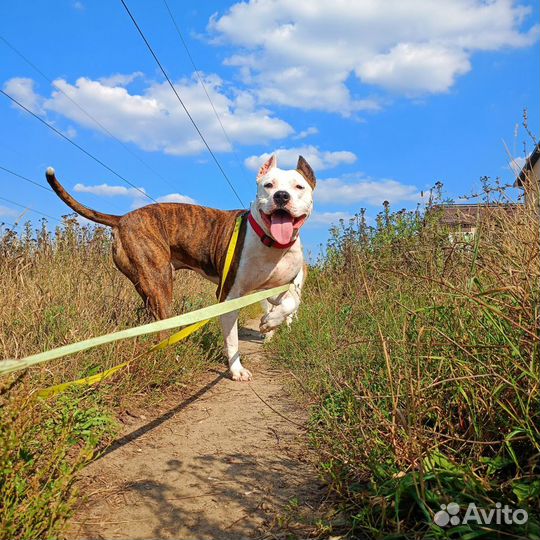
x,y
97,122
58,132
29,209
12,225
27,179
181,102
31,181
200,79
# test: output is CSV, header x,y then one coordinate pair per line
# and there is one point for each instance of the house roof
x,y
528,167
463,215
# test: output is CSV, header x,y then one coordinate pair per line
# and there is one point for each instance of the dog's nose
x,y
281,198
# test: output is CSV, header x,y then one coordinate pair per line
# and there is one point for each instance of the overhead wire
x,y
26,179
149,47
37,184
90,155
4,223
200,79
84,111
26,207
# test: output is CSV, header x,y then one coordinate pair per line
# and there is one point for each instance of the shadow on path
x,y
134,435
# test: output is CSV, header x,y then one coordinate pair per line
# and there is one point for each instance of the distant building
x,y
462,220
529,177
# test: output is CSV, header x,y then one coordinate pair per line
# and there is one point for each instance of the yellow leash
x,y
171,340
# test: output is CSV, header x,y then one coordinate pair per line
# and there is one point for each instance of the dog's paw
x,y
264,328
268,324
269,335
265,324
242,375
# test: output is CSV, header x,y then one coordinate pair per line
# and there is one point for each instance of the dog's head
x,y
284,199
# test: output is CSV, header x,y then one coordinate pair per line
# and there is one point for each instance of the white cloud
x,y
365,191
517,163
84,222
318,219
288,157
70,132
9,212
154,119
137,195
303,53
120,79
22,89
415,68
104,190
312,130
176,198
141,201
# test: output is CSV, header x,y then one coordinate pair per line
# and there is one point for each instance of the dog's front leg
x,y
229,327
283,307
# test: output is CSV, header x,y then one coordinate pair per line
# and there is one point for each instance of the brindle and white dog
x,y
150,243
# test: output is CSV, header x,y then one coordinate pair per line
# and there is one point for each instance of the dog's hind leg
x,y
229,327
158,291
156,294
150,271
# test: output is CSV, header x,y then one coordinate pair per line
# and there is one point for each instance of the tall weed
x,y
418,351
58,287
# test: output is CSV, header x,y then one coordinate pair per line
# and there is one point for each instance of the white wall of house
x,y
536,172
531,192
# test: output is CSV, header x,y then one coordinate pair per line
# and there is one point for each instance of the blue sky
x,y
382,98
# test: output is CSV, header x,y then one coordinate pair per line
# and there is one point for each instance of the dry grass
x,y
56,289
62,289
419,358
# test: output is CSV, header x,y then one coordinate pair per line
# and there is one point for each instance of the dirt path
x,y
219,465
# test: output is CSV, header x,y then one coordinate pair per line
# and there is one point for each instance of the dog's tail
x,y
98,217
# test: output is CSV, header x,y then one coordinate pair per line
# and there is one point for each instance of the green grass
x,y
43,445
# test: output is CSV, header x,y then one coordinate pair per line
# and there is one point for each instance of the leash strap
x,y
230,253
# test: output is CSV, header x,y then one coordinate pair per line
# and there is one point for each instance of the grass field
x,y
417,356
419,359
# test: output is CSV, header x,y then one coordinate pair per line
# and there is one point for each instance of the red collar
x,y
268,241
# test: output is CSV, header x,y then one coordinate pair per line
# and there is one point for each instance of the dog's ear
x,y
270,164
304,168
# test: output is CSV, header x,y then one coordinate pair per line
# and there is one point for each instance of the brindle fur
x,y
153,241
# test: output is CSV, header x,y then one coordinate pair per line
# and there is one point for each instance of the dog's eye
x,y
299,186
268,185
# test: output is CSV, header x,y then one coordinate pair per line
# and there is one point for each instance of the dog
x,y
152,242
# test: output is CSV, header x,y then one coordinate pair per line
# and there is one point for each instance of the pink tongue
x,y
281,227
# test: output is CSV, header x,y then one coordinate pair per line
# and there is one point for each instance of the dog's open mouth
x,y
282,225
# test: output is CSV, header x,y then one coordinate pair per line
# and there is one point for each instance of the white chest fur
x,y
262,267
